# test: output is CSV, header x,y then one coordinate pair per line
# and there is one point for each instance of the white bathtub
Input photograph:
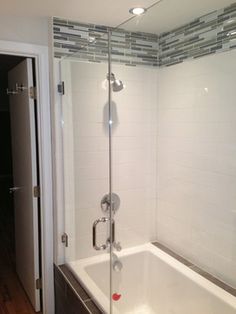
x,y
151,282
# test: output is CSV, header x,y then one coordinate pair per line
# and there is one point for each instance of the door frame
x,y
41,57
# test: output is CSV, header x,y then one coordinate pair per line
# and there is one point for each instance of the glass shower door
x,y
86,160
133,143
174,159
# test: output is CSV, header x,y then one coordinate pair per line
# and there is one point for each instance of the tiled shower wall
x,y
196,142
211,33
196,164
86,143
128,48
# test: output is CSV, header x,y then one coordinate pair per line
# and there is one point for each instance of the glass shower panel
x,y
134,125
85,129
174,159
149,149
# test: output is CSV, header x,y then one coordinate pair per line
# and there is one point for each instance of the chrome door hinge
x,y
61,88
36,191
64,239
38,284
33,92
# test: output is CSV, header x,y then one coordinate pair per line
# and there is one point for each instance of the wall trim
x,y
40,53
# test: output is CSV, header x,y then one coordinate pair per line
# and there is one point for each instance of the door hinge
x,y
38,284
33,92
64,239
61,88
36,191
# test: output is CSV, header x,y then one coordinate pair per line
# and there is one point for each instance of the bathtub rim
x,y
78,268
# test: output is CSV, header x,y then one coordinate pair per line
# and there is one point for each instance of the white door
x,y
24,155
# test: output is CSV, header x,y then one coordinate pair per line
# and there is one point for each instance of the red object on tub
x,y
116,297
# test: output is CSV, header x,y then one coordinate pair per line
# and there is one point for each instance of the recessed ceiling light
x,y
137,11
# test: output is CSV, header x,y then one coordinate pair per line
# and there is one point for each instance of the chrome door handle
x,y
13,189
95,246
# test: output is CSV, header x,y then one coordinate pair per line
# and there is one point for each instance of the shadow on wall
x,y
114,115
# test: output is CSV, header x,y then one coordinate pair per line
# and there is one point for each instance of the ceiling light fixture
x,y
137,11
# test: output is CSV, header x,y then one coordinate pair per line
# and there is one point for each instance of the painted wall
x,y
85,115
196,162
24,29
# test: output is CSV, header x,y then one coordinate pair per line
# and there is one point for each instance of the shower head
x,y
117,85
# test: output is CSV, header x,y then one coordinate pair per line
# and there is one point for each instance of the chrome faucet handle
x,y
110,202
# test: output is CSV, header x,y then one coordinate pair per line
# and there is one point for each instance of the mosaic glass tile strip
x,y
90,43
212,33
209,34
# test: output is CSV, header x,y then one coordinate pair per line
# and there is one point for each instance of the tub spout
x,y
117,266
116,263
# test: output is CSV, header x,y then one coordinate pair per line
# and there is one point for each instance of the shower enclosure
x,y
147,122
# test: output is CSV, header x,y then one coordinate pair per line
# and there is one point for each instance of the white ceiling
x,y
169,14
105,12
164,16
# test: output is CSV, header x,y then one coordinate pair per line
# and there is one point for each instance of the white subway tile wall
x,y
196,163
134,114
174,158
134,154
